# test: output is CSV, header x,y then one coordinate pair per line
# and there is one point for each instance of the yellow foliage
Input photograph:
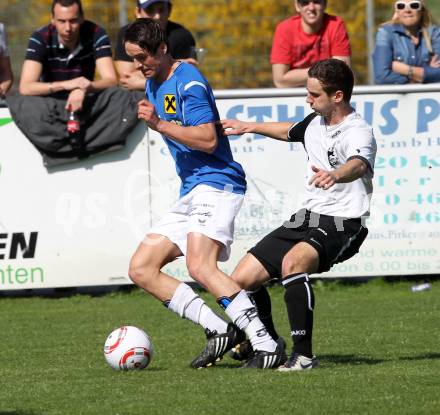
x,y
237,33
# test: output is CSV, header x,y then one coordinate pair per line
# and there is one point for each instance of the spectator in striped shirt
x,y
62,57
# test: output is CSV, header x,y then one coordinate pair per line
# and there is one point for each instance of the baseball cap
x,y
147,3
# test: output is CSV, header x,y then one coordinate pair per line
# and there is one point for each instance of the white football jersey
x,y
329,147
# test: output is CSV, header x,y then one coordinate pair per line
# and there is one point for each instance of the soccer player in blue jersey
x,y
180,105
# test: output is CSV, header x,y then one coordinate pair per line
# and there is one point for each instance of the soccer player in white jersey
x,y
180,105
341,150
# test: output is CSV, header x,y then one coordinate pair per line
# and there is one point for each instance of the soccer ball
x,y
128,348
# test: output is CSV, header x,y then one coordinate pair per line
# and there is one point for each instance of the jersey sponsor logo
x,y
170,103
298,332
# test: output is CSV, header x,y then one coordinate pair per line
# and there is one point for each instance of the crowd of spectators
x,y
63,56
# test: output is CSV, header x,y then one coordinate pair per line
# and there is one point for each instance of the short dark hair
x,y
68,3
147,34
334,75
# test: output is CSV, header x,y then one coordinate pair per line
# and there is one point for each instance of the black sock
x,y
300,301
261,299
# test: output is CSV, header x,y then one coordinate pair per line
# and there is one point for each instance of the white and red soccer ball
x,y
128,348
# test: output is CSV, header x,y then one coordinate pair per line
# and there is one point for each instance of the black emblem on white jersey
x,y
334,135
332,157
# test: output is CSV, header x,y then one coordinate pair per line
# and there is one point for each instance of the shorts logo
x,y
170,104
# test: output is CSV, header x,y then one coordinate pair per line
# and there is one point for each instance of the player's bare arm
x,y
202,137
349,172
276,130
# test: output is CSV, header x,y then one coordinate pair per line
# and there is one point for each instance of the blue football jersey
x,y
187,99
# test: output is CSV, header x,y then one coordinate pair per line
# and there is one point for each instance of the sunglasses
x,y
413,5
303,3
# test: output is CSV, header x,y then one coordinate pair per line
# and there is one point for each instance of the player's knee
x,y
141,274
291,265
242,279
199,270
135,273
302,258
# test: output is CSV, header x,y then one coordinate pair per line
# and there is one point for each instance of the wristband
x,y
51,91
410,72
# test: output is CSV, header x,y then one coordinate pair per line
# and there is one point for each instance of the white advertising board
x,y
74,225
78,224
404,227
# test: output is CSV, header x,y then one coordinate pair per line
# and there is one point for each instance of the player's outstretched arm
x,y
276,130
348,172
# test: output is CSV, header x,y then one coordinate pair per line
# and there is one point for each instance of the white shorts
x,y
205,210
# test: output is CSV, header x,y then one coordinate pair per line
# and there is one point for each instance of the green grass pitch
x,y
378,345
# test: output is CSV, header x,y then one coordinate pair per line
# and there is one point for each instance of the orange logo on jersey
x,y
170,104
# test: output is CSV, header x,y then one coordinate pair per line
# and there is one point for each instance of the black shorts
x,y
335,238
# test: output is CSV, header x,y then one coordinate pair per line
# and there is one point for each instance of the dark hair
x,y
334,75
147,34
68,3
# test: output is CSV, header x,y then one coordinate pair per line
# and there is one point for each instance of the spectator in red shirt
x,y
303,39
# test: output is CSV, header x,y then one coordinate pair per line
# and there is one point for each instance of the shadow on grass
x,y
345,359
426,356
18,412
351,359
348,359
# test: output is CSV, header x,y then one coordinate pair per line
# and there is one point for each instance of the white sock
x,y
244,314
187,304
